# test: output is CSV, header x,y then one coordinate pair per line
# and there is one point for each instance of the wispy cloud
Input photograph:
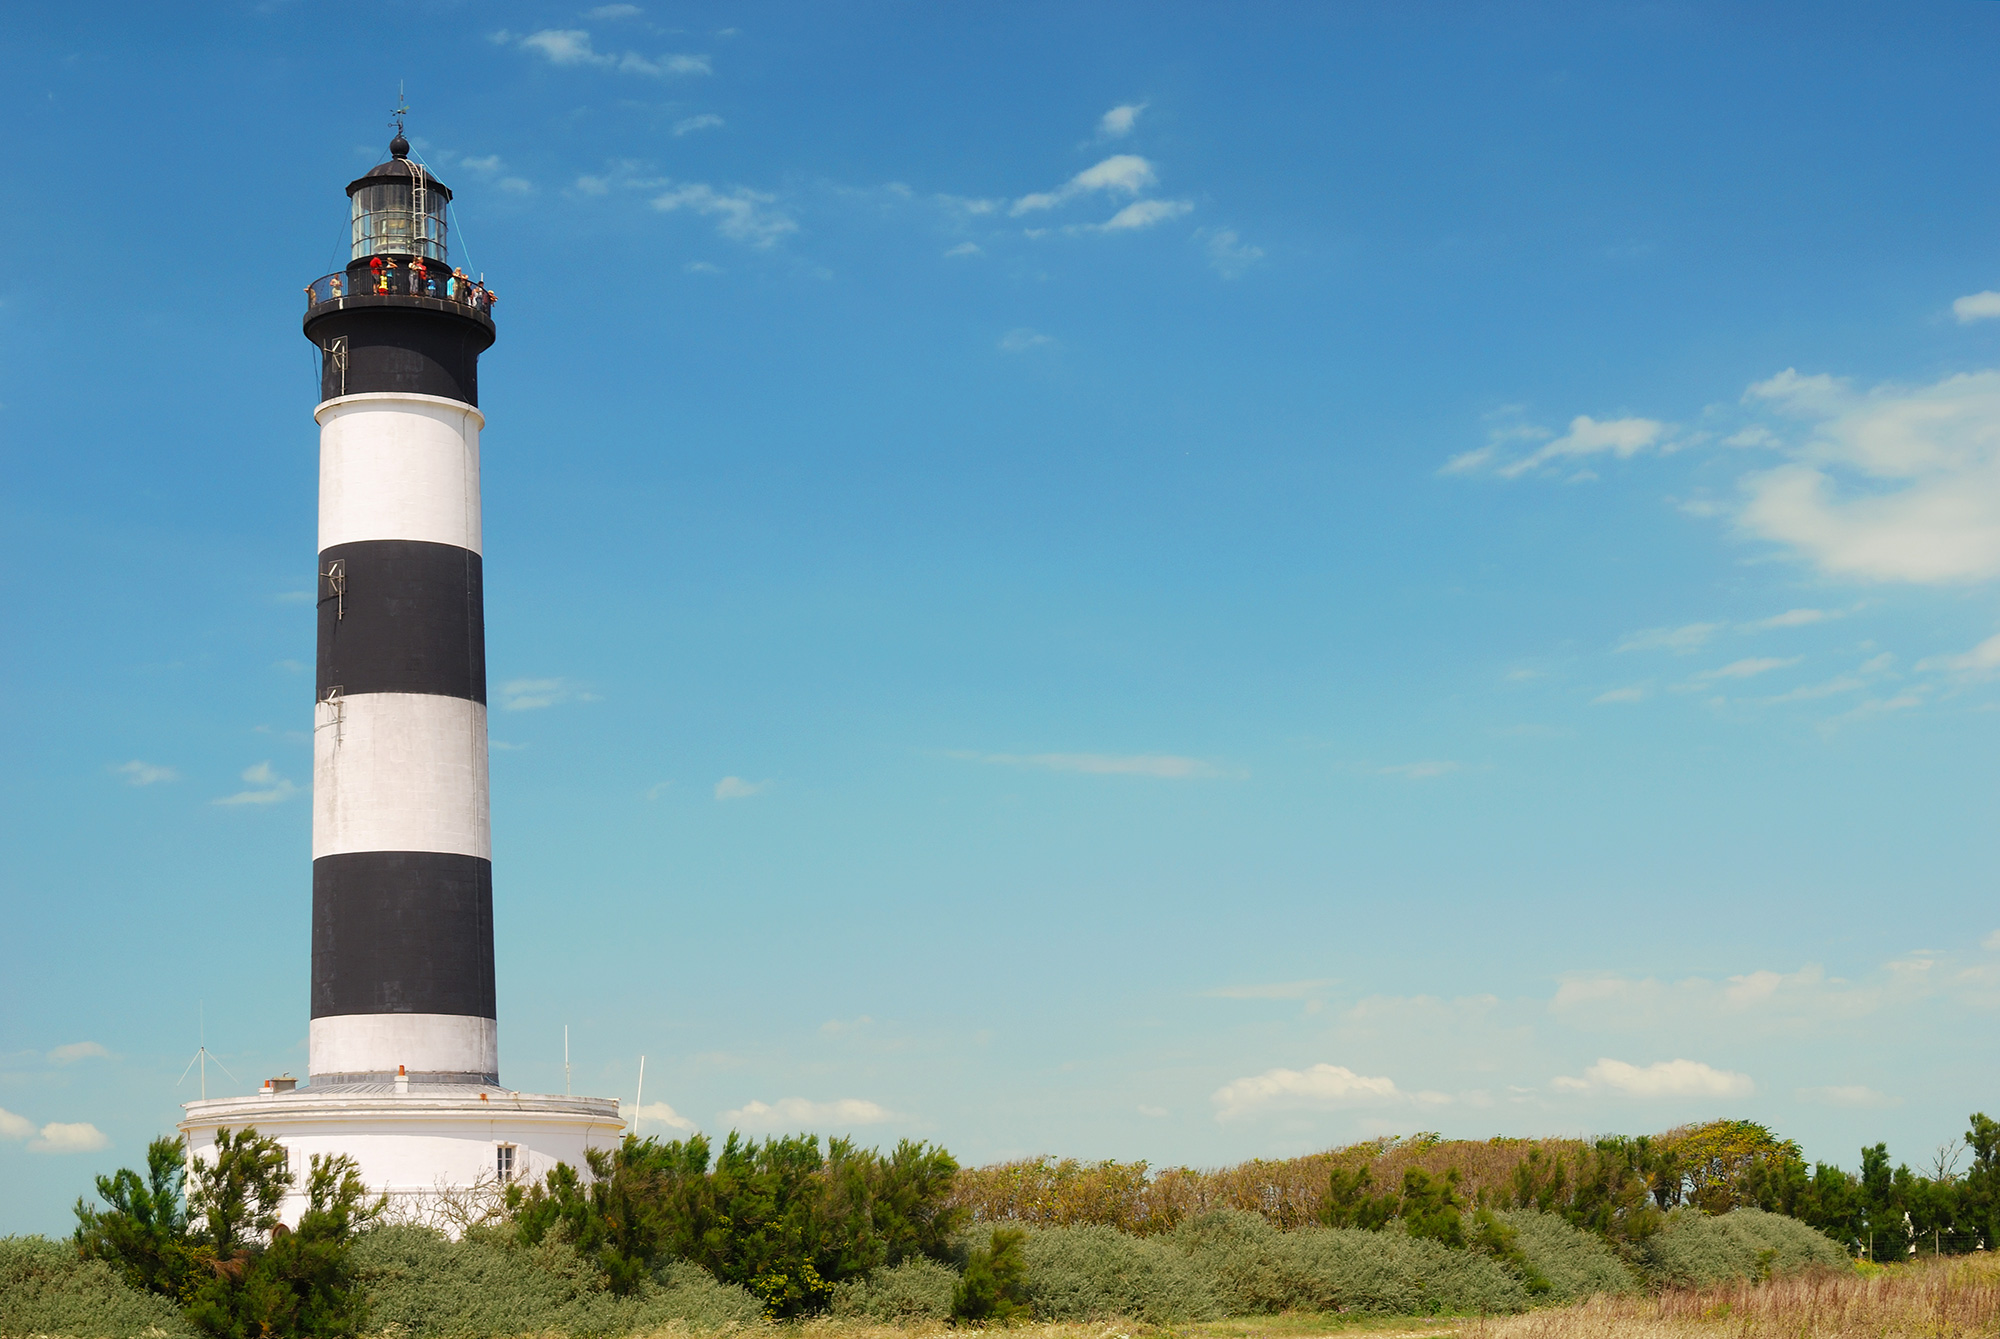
x,y
798,1113
266,787
614,12
687,125
1319,1088
1980,662
1120,174
1749,667
573,47
1681,640
1142,214
1164,765
736,788
1118,122
966,249
1663,1078
1021,339
71,1052
1630,693
740,214
1230,254
1618,438
138,773
1791,618
14,1126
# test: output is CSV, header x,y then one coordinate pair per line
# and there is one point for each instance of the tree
x,y
1348,1202
994,1284
236,1197
1433,1208
143,1230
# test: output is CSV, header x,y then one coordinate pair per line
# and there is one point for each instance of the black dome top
x,y
398,170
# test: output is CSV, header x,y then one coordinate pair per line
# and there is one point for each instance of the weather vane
x,y
402,108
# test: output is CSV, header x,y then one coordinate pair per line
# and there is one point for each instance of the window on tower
x,y
503,1162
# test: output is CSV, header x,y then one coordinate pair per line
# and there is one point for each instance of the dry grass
x,y
1049,1192
1941,1299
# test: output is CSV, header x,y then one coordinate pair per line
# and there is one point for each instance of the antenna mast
x,y
202,1057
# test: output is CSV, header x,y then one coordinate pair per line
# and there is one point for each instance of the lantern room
x,y
399,208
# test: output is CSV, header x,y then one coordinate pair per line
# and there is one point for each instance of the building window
x,y
503,1161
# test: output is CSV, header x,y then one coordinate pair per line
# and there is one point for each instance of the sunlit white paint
x,y
423,1147
420,1043
400,772
398,467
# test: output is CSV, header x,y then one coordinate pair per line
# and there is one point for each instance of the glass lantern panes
x,y
386,224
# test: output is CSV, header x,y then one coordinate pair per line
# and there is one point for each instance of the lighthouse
x,y
403,1037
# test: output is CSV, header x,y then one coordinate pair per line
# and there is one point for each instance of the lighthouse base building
x,y
404,1071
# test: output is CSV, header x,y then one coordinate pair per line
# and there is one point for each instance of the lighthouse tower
x,y
403,1044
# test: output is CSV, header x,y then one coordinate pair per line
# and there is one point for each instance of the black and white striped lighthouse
x,y
404,1051
402,889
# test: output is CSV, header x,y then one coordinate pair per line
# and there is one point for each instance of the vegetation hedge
x,y
913,1292
1696,1249
46,1288
424,1285
1576,1264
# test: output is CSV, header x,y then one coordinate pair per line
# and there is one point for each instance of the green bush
x,y
1575,1263
1091,1272
916,1290
47,1288
1250,1267
487,1284
1697,1248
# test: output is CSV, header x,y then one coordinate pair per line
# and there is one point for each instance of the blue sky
x,y
1126,581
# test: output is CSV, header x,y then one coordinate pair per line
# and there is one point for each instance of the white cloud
x,y
736,788
1749,667
1621,437
689,124
1421,771
1143,214
1123,173
1166,765
66,1137
1663,1078
614,12
267,787
572,46
1981,660
13,1126
659,1113
489,164
71,1052
1848,1095
517,185
1117,123
1682,640
1230,254
741,214
1634,693
138,773
1277,990
1976,307
1991,941
1021,339
1895,484
797,1113
536,694
701,267
1791,618
965,249
1321,1088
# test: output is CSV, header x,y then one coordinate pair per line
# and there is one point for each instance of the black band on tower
x,y
402,932
401,616
410,345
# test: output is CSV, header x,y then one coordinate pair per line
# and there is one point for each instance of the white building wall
x,y
399,467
